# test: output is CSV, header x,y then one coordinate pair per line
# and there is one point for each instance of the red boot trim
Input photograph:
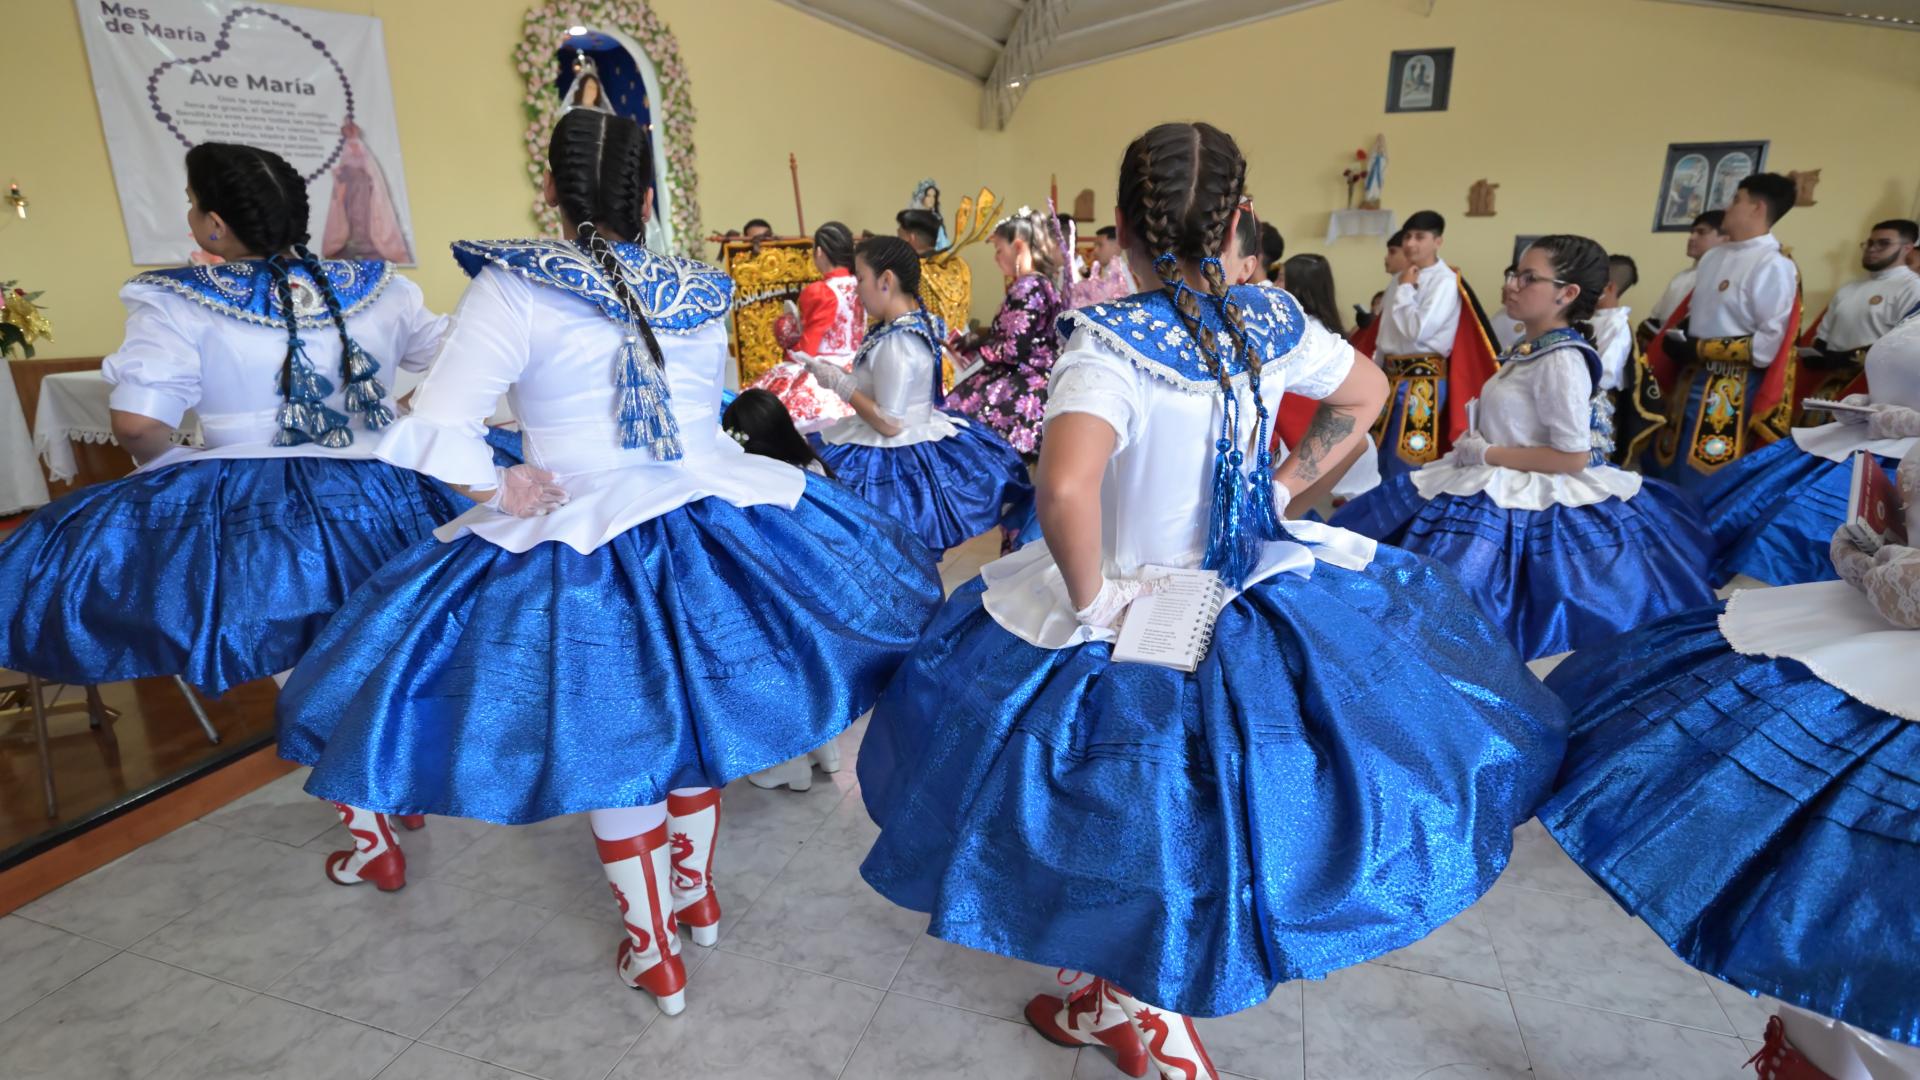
x,y
702,912
1779,1060
1043,1013
633,847
388,872
411,822
685,805
663,979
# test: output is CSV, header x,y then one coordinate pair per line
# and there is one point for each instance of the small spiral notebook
x,y
1173,625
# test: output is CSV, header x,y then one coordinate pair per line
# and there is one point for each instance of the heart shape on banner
x,y
223,42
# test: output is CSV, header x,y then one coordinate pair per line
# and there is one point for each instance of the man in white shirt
x,y
1860,313
1702,238
1741,320
1422,327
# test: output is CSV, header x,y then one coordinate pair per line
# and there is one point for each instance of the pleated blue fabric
x,y
947,491
702,645
1774,513
1762,822
221,570
1341,776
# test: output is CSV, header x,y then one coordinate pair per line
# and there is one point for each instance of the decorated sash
x,y
1726,424
1425,430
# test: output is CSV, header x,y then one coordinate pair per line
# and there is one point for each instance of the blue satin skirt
x,y
1762,822
1774,513
947,491
705,644
220,570
508,447
1556,579
1341,775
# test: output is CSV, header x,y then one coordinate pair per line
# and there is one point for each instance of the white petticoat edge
x,y
1734,629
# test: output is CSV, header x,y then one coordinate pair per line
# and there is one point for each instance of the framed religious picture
x,y
1419,80
1699,177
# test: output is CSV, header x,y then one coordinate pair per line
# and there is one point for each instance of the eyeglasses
x,y
1527,279
1880,245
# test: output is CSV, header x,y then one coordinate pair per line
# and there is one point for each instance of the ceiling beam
x,y
856,28
1760,7
1278,9
1033,34
950,24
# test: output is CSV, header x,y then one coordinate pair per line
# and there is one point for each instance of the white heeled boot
x,y
1172,1045
827,757
649,956
374,856
692,822
796,775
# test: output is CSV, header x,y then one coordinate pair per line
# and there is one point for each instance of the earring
x,y
214,236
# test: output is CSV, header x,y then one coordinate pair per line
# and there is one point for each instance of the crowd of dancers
x,y
650,587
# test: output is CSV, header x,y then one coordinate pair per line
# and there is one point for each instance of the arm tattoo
x,y
1330,427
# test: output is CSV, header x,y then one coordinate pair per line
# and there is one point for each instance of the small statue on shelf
x,y
1376,175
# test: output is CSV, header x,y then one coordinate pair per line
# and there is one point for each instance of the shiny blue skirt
x,y
220,570
1342,775
705,644
1556,579
947,491
1762,822
1774,513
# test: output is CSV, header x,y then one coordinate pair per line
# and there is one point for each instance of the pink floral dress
x,y
1008,392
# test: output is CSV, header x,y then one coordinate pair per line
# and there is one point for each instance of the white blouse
x,y
1423,317
897,372
1613,340
179,355
1893,378
1154,495
1546,401
555,355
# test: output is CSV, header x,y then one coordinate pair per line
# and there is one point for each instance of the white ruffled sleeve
x,y
1088,380
1318,364
900,381
1563,401
156,371
424,330
485,351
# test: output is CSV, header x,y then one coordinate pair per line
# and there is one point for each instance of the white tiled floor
x,y
219,952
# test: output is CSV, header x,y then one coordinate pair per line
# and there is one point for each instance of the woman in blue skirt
x,y
947,478
1772,511
221,565
639,614
1746,779
1557,546
1340,775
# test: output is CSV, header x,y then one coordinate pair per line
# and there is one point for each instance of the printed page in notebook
x,y
1172,625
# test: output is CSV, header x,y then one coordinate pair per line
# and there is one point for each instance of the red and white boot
x,y
649,957
1172,1045
1779,1060
692,822
1090,1015
410,822
374,856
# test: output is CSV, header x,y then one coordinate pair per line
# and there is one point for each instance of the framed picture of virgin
x,y
1699,177
1419,80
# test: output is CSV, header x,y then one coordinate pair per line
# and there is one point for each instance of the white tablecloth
x,y
74,406
1360,223
21,485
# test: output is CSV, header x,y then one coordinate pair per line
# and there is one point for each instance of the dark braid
x,y
834,241
602,170
1579,261
365,394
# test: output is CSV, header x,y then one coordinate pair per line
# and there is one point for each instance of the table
x,y
1360,223
21,485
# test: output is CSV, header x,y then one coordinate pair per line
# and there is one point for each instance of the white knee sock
x,y
625,822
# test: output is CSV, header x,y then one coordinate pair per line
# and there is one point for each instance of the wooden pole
x,y
793,166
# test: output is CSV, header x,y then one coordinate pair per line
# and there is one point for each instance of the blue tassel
x,y
365,394
358,364
377,417
337,438
645,411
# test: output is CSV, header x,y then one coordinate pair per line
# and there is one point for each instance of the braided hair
x,y
263,200
834,242
1032,228
602,170
890,253
1578,261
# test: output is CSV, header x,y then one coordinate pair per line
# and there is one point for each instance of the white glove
x,y
1848,416
1111,601
830,376
1893,422
1470,450
526,491
1852,549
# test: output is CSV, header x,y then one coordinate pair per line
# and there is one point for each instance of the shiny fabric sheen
x,y
1341,776
696,647
1556,579
220,570
1762,822
947,491
1774,512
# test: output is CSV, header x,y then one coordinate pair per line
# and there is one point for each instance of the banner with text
x,y
308,85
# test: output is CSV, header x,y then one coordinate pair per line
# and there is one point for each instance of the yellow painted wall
x,y
1568,105
759,69
1568,111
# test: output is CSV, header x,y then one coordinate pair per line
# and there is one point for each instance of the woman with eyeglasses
x,y
1559,547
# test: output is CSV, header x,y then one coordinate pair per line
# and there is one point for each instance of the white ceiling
x,y
970,37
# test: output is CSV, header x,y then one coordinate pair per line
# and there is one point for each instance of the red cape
x,y
1770,417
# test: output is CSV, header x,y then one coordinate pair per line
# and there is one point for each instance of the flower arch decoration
x,y
547,25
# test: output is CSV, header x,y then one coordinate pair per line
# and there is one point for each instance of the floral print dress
x,y
1008,392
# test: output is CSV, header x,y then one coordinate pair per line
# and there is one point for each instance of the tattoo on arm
x,y
1330,428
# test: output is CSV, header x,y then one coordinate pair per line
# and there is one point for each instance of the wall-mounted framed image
x,y
1699,177
1419,80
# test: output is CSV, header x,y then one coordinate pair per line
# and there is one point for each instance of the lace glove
x,y
1111,602
1470,450
1852,550
526,491
1893,422
1893,585
830,376
1848,416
